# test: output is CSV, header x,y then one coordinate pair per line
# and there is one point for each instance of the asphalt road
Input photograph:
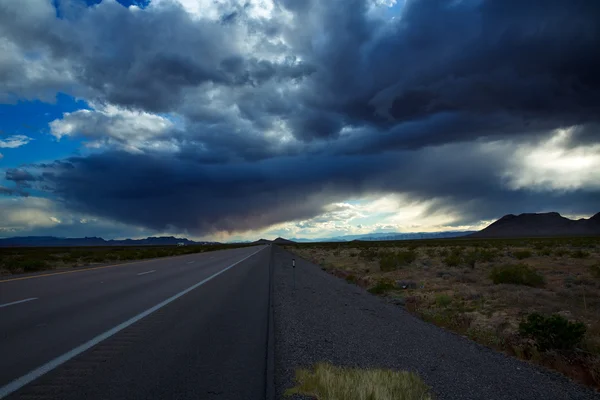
x,y
156,329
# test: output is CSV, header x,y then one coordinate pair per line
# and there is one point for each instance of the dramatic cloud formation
x,y
228,116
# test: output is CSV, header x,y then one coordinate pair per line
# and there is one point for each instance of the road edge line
x,y
50,365
270,362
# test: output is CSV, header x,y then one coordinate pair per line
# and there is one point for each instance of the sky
x,y
238,119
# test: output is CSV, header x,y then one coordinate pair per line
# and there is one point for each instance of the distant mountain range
x,y
539,225
388,236
523,225
51,241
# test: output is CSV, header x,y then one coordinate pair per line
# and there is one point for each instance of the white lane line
x,y
18,302
147,272
49,366
190,262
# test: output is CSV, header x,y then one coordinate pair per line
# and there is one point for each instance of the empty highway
x,y
193,326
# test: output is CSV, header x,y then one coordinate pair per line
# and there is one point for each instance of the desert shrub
x,y
443,300
472,257
30,265
430,253
487,255
552,332
388,263
98,258
522,254
545,252
579,254
516,274
443,252
351,278
560,252
406,257
68,258
391,261
595,270
369,254
452,260
382,286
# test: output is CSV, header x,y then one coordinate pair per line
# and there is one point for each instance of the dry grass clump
x,y
328,382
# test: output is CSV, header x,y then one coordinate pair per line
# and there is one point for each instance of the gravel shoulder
x,y
327,319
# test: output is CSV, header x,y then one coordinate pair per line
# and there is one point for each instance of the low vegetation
x,y
516,274
328,382
553,332
31,259
535,299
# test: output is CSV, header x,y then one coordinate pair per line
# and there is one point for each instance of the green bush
x,y
522,254
406,257
388,263
545,252
560,252
452,260
552,332
391,261
595,270
580,254
471,258
382,286
31,265
443,300
516,274
487,255
369,254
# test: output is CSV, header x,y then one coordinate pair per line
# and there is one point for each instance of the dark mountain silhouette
x,y
537,225
261,241
51,241
281,240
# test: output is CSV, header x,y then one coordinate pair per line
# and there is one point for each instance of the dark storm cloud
x,y
530,62
13,192
20,176
366,99
159,193
142,60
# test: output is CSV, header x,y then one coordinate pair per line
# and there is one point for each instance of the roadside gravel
x,y
327,319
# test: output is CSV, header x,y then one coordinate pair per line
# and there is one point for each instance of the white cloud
x,y
554,165
26,213
37,216
14,141
109,125
214,9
